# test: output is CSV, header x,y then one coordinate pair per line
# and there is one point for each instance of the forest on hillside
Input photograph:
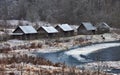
x,y
62,11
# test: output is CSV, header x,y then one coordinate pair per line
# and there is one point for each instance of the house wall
x,y
16,37
30,36
24,37
69,33
61,32
42,33
53,35
18,30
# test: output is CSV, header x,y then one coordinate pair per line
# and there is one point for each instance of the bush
x,y
33,45
11,73
39,45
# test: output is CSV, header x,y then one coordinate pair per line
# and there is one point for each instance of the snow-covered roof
x,y
50,29
28,29
88,26
103,24
75,27
65,27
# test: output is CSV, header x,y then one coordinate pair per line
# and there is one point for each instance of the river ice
x,y
76,53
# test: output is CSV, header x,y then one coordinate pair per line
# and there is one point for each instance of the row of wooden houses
x,y
61,30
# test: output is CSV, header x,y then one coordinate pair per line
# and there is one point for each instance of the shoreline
x,y
75,47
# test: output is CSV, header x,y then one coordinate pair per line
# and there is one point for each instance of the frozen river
x,y
109,51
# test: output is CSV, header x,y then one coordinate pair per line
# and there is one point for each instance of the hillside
x,y
62,11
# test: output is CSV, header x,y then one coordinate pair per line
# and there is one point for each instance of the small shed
x,y
24,32
86,28
47,31
65,30
103,27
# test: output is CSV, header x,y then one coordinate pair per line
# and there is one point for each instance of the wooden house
x,y
86,28
24,32
65,30
103,27
47,31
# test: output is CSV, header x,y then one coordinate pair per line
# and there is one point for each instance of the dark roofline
x,y
18,27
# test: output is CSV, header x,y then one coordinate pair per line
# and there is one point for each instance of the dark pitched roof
x,y
103,24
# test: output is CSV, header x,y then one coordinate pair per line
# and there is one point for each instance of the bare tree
x,y
66,11
5,16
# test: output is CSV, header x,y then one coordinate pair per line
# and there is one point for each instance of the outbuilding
x,y
86,28
65,30
47,31
24,32
103,27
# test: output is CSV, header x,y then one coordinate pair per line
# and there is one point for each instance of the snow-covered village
x,y
40,37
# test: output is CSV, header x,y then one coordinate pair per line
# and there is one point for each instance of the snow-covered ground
x,y
28,69
108,66
75,52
